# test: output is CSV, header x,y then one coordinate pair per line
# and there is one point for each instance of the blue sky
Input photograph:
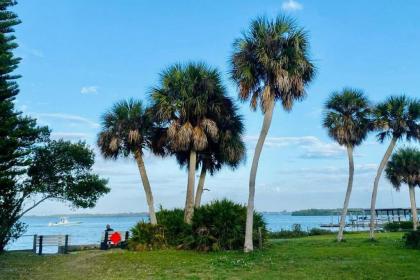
x,y
79,57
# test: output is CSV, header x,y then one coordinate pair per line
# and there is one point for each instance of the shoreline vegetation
x,y
324,212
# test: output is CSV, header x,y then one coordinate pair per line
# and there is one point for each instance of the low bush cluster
x,y
219,225
145,236
412,239
398,226
296,232
175,230
319,231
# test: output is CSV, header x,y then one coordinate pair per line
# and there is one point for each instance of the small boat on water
x,y
64,222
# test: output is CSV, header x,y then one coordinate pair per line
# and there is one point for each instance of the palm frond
x,y
272,54
347,117
398,117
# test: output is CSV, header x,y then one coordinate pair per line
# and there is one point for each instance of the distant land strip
x,y
324,212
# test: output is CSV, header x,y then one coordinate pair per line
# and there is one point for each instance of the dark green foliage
x,y
271,61
229,149
220,225
404,168
63,170
58,170
324,212
17,134
8,62
188,101
398,117
176,230
296,232
347,117
145,236
412,239
398,226
319,231
31,167
126,129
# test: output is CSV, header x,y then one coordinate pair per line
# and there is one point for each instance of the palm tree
x,y
269,63
186,102
397,118
404,167
126,130
347,119
229,149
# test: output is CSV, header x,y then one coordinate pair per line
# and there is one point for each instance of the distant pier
x,y
361,218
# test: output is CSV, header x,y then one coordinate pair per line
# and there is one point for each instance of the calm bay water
x,y
91,227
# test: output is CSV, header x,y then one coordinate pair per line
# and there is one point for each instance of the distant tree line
x,y
325,212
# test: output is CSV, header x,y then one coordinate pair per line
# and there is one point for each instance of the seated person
x,y
108,228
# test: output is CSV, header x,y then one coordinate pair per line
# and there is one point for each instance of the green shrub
x,y
220,225
412,239
319,231
398,226
297,232
145,236
176,231
284,233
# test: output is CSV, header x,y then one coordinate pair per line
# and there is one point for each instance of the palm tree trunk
x,y
376,184
189,200
348,193
200,186
146,186
413,207
248,246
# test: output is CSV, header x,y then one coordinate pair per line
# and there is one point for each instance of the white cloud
x,y
89,90
311,145
67,117
291,5
360,169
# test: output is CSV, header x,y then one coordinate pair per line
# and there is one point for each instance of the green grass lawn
x,y
305,258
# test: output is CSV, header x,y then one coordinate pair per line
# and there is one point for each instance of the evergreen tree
x,y
32,168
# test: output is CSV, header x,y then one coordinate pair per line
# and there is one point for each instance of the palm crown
x,y
398,117
404,167
187,101
126,129
271,62
347,117
229,148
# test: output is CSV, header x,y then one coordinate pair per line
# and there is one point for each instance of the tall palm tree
x,y
404,167
396,118
347,119
126,131
187,101
269,63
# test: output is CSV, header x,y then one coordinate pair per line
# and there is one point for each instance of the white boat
x,y
63,222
